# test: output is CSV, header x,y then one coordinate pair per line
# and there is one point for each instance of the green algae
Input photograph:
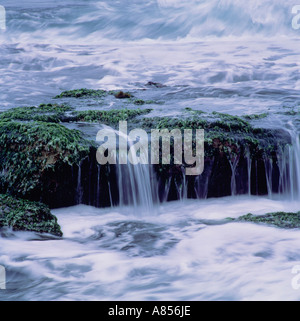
x,y
93,93
278,219
24,215
256,116
223,132
193,111
291,112
100,93
231,123
224,123
112,116
141,102
84,92
53,113
28,149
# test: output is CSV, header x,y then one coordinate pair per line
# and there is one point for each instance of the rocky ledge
x,y
43,160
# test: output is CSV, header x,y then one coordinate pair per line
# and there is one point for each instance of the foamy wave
x,y
131,20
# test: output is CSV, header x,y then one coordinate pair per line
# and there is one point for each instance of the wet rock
x,y
37,160
278,219
155,84
122,95
23,215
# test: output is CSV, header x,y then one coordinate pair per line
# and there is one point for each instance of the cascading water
x,y
136,181
98,185
136,187
289,183
247,154
269,176
141,187
279,178
233,164
79,190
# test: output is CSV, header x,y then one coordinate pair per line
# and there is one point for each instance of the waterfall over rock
x,y
289,183
143,186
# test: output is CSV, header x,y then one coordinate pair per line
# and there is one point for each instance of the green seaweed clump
x,y
230,123
24,215
255,116
223,132
83,92
279,219
144,102
193,111
291,113
53,113
28,149
112,116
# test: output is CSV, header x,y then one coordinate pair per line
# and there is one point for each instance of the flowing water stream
x,y
187,251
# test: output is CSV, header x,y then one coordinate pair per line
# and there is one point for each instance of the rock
x,y
122,95
38,159
278,219
43,161
51,113
232,149
83,92
155,84
23,215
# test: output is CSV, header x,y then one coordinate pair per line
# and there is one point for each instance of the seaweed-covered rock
x,y
37,160
23,215
279,219
235,154
109,117
44,161
93,93
53,113
84,92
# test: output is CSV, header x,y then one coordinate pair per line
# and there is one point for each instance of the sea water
x,y
187,251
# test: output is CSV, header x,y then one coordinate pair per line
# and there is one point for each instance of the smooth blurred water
x,y
132,20
224,55
187,251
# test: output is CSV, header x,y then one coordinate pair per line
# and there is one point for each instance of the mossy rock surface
x,y
94,93
229,142
53,113
23,215
43,157
223,132
279,219
84,92
109,117
30,150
